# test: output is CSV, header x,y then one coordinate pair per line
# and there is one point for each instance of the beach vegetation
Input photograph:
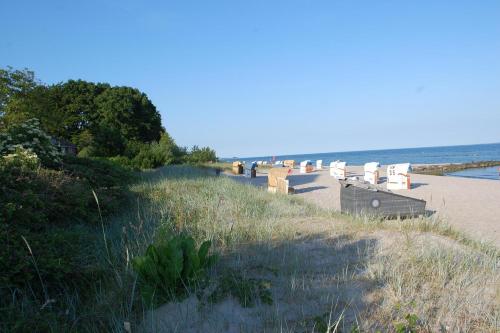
x,y
171,268
282,259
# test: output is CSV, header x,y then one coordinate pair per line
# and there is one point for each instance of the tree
x,y
201,155
15,84
130,112
98,118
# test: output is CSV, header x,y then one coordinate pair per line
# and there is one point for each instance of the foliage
x,y
47,208
55,257
156,154
410,325
99,172
201,155
29,136
101,120
246,290
171,268
22,158
14,83
95,116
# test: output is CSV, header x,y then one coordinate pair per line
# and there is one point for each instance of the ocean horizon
x,y
422,155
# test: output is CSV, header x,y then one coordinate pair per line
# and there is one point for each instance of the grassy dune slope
x,y
323,272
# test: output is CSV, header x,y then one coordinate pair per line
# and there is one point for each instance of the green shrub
x,y
201,155
29,136
57,258
171,268
22,158
99,172
47,207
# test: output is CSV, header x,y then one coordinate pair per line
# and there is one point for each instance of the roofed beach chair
x,y
306,166
250,171
338,169
237,168
371,172
277,182
289,163
319,164
398,177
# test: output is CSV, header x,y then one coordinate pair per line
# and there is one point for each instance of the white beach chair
x,y
398,177
338,169
306,166
319,164
371,172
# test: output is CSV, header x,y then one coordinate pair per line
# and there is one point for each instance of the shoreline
x,y
443,169
433,169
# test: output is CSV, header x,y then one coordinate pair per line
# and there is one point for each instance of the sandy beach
x,y
469,205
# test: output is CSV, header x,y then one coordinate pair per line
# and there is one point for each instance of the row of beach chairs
x,y
398,175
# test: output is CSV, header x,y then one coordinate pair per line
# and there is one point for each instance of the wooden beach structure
x,y
358,198
277,182
237,168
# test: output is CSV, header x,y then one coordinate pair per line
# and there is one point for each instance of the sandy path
x,y
470,205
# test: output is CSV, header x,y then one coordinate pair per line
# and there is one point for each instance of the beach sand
x,y
469,205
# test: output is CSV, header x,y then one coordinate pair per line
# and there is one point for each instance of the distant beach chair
x,y
319,164
277,182
371,172
306,166
250,171
289,163
398,177
237,168
338,169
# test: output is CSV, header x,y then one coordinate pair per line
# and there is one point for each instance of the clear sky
x,y
253,78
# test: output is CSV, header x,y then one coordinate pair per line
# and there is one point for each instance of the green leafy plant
x,y
410,325
170,269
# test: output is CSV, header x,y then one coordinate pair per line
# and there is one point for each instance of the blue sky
x,y
267,77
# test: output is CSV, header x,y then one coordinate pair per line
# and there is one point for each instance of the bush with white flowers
x,y
28,138
21,158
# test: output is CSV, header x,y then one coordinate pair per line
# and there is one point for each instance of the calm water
x,y
431,155
483,173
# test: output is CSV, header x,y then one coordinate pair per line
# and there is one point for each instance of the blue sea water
x,y
425,155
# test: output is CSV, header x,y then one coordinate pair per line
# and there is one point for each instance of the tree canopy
x,y
94,116
100,119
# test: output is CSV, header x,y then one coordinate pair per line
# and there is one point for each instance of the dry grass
x,y
325,272
323,267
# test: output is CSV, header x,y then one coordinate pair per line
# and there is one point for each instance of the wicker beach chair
x,y
276,180
306,166
371,172
398,177
338,169
237,168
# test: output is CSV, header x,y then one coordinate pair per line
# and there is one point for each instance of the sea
x,y
424,155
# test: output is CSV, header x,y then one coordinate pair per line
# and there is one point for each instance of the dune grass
x,y
323,271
